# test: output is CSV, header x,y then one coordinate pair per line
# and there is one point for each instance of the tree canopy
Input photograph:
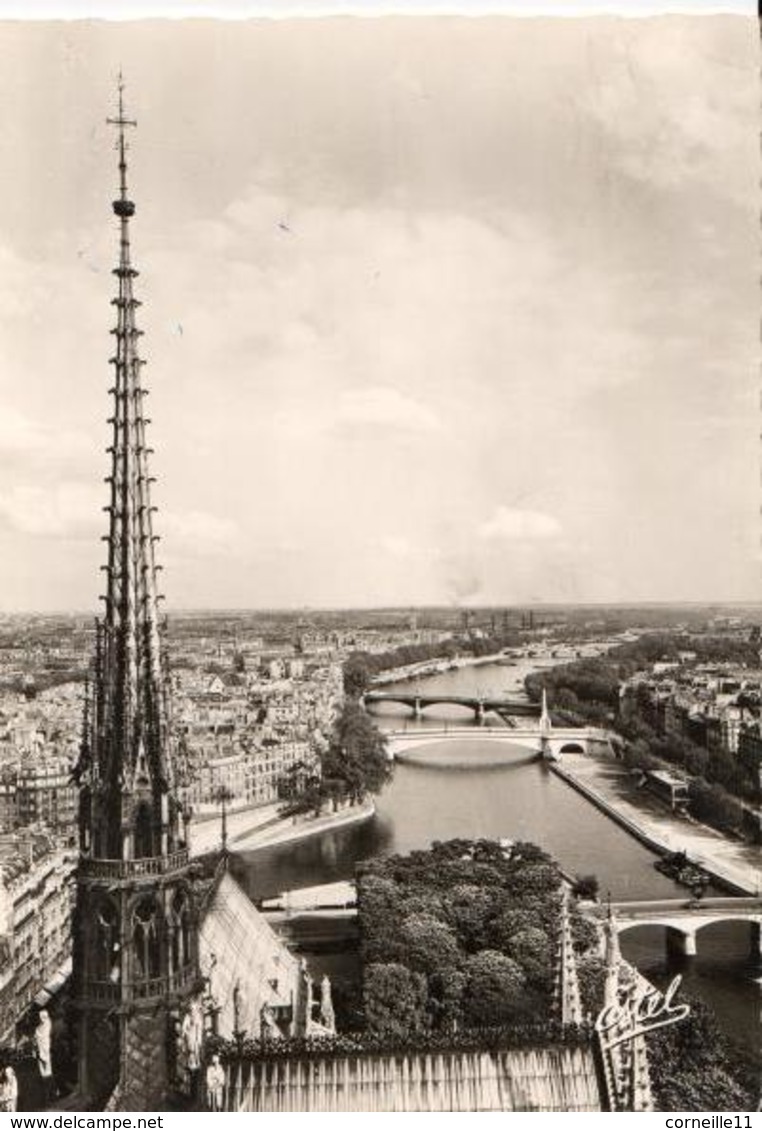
x,y
355,764
477,921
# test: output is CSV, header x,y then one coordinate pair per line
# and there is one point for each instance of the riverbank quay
x,y
438,666
206,831
263,826
608,785
288,829
517,669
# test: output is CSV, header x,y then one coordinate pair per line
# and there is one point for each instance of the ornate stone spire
x,y
546,723
135,953
567,999
613,959
128,758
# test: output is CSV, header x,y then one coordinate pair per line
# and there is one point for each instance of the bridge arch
x,y
558,745
679,939
507,745
404,700
754,927
529,738
682,932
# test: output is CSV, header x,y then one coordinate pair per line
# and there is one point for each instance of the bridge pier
x,y
479,714
417,709
681,943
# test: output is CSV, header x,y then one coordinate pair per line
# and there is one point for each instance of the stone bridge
x,y
552,743
683,919
480,705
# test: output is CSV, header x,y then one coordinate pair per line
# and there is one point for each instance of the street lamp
x,y
222,795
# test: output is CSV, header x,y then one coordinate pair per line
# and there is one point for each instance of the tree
x,y
431,946
591,975
586,887
358,674
356,761
292,782
712,804
394,999
509,923
532,950
467,907
446,999
584,933
494,985
426,903
695,1068
539,880
378,896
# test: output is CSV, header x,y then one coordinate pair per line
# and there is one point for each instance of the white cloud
x,y
75,510
18,433
21,435
508,524
385,406
66,509
198,532
396,547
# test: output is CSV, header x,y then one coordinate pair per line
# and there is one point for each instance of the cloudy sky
x,y
435,309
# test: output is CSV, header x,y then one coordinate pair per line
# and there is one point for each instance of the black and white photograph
x,y
380,558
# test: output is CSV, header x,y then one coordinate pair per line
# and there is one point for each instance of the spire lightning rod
x,y
120,122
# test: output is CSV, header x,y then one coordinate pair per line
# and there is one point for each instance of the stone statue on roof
x,y
327,1015
239,1008
192,1035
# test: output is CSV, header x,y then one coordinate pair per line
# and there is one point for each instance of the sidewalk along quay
x,y
262,827
609,786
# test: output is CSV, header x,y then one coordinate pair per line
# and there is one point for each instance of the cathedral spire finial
x,y
132,754
123,207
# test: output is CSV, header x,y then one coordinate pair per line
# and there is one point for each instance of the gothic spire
x,y
613,958
128,751
546,723
567,996
135,926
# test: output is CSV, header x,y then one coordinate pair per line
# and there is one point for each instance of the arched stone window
x,y
181,931
106,956
144,845
146,939
85,818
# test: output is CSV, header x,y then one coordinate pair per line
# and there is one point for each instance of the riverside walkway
x,y
606,782
262,827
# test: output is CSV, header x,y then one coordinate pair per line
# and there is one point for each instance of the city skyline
x,y
390,363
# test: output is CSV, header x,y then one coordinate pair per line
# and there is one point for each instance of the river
x,y
467,789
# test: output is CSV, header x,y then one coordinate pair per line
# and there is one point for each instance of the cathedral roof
x,y
239,947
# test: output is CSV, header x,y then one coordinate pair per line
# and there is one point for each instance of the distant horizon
x,y
488,607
